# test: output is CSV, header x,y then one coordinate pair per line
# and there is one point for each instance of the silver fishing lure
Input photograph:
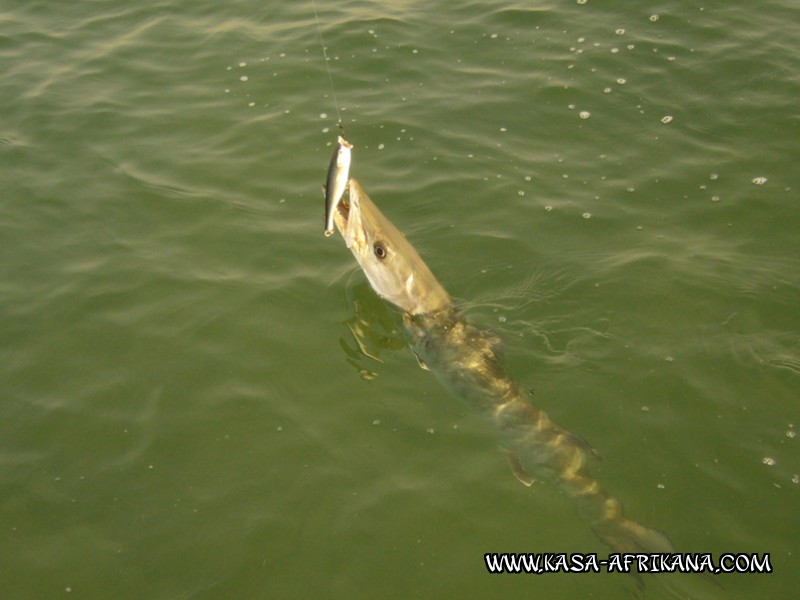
x,y
338,175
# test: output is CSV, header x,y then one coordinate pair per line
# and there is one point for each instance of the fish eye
x,y
380,250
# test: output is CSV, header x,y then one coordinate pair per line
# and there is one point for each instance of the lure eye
x,y
380,250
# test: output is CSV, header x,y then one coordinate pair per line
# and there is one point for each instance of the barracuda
x,y
466,361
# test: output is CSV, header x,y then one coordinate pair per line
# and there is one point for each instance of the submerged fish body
x,y
336,182
465,359
467,364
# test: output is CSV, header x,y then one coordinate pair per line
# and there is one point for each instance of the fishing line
x,y
328,66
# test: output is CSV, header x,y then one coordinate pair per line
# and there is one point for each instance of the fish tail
x,y
606,518
625,536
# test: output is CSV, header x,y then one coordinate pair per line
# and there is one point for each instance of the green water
x,y
185,411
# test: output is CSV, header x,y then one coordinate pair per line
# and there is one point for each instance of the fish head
x,y
394,269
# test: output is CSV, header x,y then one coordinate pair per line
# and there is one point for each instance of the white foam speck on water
x,y
759,180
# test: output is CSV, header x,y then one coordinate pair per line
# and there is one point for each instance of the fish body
x,y
338,175
466,360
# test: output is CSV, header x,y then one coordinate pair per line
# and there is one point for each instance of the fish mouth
x,y
344,207
341,216
353,223
346,214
